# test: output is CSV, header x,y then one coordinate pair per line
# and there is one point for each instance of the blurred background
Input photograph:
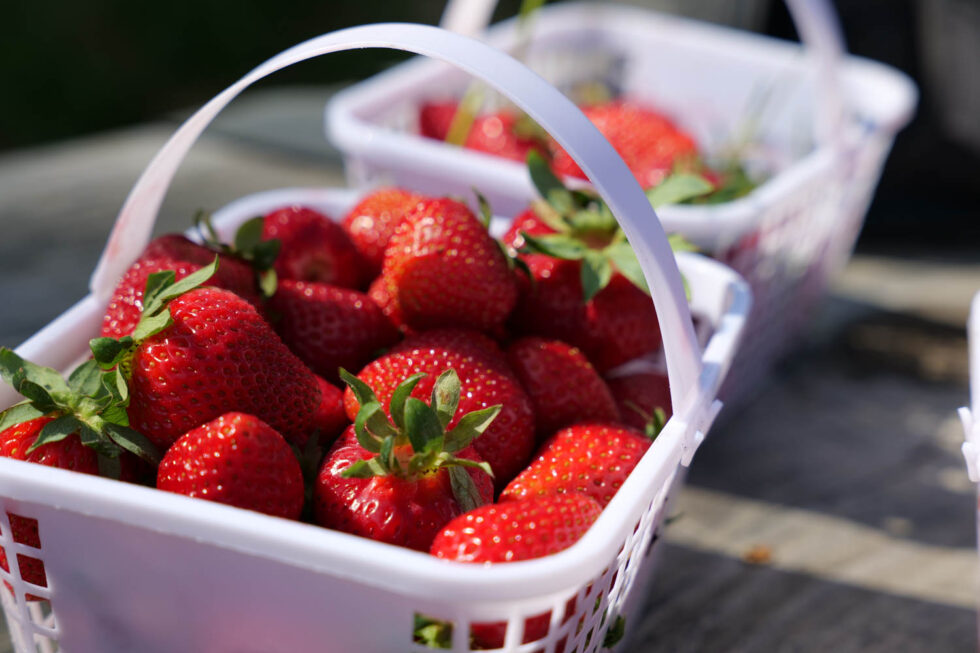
x,y
77,68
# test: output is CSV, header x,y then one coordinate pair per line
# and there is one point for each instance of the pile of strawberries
x,y
651,144
476,422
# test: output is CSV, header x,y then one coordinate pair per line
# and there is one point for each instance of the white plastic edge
x,y
971,426
816,23
545,104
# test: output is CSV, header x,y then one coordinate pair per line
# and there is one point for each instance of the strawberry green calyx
x,y
655,420
421,428
91,403
161,287
486,217
586,230
248,246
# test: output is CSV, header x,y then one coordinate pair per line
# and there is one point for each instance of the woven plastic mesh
x,y
30,619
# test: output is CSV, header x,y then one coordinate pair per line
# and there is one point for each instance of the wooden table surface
x,y
833,513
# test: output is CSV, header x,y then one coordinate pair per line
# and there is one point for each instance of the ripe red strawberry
x,y
198,353
372,222
563,386
239,460
486,381
639,397
330,327
458,341
592,459
617,325
314,248
588,288
650,144
443,269
378,291
514,531
177,253
330,418
401,480
495,133
435,119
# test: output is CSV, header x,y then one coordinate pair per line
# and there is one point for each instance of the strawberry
x,y
313,248
198,353
371,223
378,291
459,341
238,460
617,325
563,386
588,289
509,441
514,531
643,399
330,327
400,480
590,458
330,419
443,269
650,144
500,133
435,119
177,253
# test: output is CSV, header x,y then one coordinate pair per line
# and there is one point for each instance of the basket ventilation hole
x,y
24,531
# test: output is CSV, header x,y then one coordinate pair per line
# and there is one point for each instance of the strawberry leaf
x,y
86,379
268,282
596,273
486,214
679,243
134,442
152,324
365,437
362,391
56,430
365,469
18,414
466,112
677,188
15,371
469,427
38,396
624,258
190,282
548,185
560,246
249,234
445,396
464,489
399,396
156,283
108,352
421,425
263,255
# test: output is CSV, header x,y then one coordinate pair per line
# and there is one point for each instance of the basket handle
x,y
546,105
816,23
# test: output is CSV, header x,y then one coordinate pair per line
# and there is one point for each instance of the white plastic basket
x,y
831,118
134,569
